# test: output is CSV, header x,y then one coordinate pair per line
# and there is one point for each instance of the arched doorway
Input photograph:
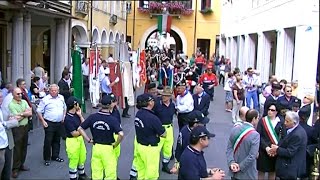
x,y
177,47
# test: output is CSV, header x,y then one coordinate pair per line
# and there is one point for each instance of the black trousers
x,y
20,137
86,87
7,169
126,108
51,148
221,77
183,119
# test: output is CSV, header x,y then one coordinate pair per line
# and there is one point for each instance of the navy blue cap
x,y
151,86
197,117
296,103
108,99
146,97
182,83
71,101
201,131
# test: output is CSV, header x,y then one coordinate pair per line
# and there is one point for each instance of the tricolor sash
x,y
270,130
241,136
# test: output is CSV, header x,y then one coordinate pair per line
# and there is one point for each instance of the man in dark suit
x,y
291,150
64,85
201,100
304,115
272,99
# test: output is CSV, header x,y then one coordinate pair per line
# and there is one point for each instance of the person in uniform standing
x,y
165,110
184,104
208,80
148,132
75,147
196,119
51,112
103,126
192,162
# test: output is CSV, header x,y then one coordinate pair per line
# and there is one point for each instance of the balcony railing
x,y
82,7
171,7
60,6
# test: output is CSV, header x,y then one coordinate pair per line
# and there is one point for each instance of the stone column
x,y
251,51
306,60
285,50
222,47
242,53
17,47
263,63
228,47
52,53
27,48
59,63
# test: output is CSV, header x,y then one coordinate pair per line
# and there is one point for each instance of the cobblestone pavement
x,y
220,123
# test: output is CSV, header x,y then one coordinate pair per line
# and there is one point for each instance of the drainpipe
x,y
134,23
195,27
70,34
91,14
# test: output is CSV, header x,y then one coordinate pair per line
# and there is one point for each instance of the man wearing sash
x,y
243,147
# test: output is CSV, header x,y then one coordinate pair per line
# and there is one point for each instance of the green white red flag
x,y
164,23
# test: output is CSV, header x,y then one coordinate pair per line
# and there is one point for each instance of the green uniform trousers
x,y
147,161
117,150
166,143
76,151
103,161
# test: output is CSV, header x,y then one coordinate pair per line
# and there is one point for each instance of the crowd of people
x,y
270,135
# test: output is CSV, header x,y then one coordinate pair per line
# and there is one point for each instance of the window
x,y
205,4
128,7
112,7
144,4
187,4
95,4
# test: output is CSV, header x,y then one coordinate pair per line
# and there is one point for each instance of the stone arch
x,y
175,29
104,37
111,37
79,32
117,39
122,38
95,35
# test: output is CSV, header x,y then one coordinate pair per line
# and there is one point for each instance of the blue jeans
x,y
254,96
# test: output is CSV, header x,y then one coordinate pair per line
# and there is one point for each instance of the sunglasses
x,y
272,110
19,94
288,91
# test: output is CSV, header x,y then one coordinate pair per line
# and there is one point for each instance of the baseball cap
x,y
182,83
296,103
71,101
201,131
197,117
151,86
108,99
146,97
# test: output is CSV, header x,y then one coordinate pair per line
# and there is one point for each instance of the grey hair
x,y
293,116
53,85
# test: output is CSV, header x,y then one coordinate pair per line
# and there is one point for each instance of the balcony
x,y
173,8
55,6
82,7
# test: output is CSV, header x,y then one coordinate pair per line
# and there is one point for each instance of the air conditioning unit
x,y
113,19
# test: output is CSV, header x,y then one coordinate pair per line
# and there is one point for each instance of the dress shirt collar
x,y
247,123
201,94
291,129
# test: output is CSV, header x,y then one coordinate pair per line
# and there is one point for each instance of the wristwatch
x,y
21,114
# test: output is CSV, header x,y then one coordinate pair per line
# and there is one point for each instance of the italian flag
x,y
164,23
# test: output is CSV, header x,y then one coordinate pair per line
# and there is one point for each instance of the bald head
x,y
242,112
17,94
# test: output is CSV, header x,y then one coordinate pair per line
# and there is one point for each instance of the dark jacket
x,y
64,89
291,154
204,103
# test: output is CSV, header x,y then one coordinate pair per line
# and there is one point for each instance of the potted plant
x,y
206,11
155,7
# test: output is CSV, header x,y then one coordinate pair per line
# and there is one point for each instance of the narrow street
x,y
220,123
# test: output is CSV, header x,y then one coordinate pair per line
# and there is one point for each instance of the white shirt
x,y
228,84
52,108
101,73
85,69
3,133
250,81
184,103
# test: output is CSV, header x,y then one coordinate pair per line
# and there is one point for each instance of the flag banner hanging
x,y
164,23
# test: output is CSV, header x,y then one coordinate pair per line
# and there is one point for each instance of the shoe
x,y
47,163
126,116
14,174
133,177
165,168
83,177
24,168
58,159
